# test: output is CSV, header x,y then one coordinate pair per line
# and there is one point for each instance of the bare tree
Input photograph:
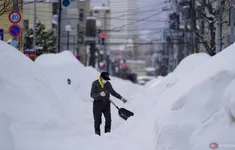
x,y
5,6
208,16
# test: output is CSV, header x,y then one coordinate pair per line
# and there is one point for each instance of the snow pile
x,y
63,58
76,96
40,110
6,139
189,109
23,85
193,104
162,84
190,63
27,100
77,104
65,66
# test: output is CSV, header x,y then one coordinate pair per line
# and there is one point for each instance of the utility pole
x,y
193,26
177,52
59,26
218,26
231,38
34,26
79,38
185,40
105,45
168,57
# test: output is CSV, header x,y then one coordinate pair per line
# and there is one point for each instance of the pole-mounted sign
x,y
14,17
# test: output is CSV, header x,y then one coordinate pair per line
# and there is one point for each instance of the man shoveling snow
x,y
100,92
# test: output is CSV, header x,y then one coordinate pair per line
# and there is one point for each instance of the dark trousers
x,y
99,108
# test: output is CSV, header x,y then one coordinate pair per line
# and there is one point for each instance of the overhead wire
x,y
155,14
147,11
146,6
135,21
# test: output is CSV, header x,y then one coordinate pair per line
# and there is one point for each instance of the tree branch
x,y
205,44
5,6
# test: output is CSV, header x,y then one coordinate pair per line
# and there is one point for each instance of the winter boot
x,y
107,130
97,132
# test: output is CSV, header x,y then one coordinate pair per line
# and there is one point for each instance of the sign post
x,y
15,30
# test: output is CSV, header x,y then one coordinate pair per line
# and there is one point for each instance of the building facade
x,y
133,12
123,26
118,21
43,14
74,16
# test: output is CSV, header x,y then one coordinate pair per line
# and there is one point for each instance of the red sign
x,y
14,17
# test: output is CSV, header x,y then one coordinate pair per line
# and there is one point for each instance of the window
x,y
26,24
54,8
81,14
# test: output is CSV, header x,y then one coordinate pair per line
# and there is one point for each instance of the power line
x,y
148,11
139,20
151,5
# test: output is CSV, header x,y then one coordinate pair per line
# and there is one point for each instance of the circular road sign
x,y
14,17
15,30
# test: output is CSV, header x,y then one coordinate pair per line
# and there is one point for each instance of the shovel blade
x,y
124,113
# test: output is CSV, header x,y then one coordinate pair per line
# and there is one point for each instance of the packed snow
x,y
188,109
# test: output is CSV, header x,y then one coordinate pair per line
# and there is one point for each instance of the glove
x,y
123,100
102,94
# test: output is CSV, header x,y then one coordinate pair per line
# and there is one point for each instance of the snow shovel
x,y
123,113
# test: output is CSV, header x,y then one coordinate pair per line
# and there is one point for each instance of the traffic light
x,y
102,38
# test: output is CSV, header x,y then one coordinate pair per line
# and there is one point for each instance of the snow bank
x,y
27,98
189,109
63,58
23,85
45,112
192,106
74,99
191,62
6,138
81,76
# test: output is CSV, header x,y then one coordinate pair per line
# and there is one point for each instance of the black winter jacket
x,y
96,89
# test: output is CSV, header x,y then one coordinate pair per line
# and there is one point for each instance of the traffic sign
x,y
31,53
15,30
2,34
66,3
14,17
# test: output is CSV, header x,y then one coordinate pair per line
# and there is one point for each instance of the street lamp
x,y
68,29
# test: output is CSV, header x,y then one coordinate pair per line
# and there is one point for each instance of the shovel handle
x,y
113,103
